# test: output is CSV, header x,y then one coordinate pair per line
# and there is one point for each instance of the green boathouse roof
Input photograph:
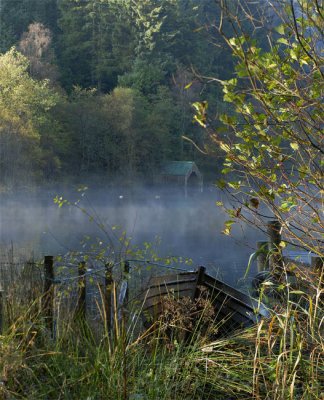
x,y
178,168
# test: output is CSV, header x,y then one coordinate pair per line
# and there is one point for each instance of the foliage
x,y
16,16
113,133
36,45
273,136
24,115
159,49
95,44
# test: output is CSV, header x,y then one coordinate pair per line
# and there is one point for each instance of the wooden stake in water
x,y
126,274
124,337
108,295
1,312
262,256
317,265
80,311
275,254
48,292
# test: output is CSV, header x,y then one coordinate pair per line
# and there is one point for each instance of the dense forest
x,y
105,87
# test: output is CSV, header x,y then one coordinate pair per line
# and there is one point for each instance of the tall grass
x,y
280,358
79,365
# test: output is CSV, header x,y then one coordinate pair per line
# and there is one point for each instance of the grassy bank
x,y
280,358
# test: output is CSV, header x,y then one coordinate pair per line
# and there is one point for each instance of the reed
x,y
280,358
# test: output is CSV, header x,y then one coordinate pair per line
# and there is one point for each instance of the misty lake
x,y
187,227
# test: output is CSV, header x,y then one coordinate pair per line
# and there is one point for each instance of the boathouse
x,y
184,174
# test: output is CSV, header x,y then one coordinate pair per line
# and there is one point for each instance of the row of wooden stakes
x,y
48,294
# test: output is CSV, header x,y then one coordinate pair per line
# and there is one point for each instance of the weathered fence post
x,y
80,312
123,293
123,326
1,312
48,292
262,256
317,265
275,254
126,274
108,295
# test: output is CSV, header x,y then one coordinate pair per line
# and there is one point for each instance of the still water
x,y
178,226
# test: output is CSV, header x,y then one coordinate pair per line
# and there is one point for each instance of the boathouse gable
x,y
183,174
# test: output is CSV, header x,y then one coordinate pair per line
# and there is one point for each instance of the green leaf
x,y
228,226
280,29
234,185
294,146
221,183
302,61
287,205
226,170
225,147
235,42
293,54
283,41
273,177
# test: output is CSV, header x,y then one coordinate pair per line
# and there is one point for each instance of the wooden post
x,y
124,336
1,313
126,273
48,292
200,279
262,256
108,295
80,312
275,254
317,265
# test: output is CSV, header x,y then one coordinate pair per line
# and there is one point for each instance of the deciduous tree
x,y
36,45
273,137
24,118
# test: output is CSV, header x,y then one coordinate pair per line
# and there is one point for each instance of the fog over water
x,y
188,227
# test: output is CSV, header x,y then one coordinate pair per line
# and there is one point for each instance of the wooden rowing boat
x,y
233,309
